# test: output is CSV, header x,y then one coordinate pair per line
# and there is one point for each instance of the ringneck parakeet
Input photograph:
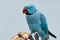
x,y
37,21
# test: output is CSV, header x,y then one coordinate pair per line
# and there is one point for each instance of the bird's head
x,y
29,9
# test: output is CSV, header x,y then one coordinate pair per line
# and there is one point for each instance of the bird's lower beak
x,y
24,10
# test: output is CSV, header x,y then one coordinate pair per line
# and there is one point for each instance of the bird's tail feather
x,y
51,34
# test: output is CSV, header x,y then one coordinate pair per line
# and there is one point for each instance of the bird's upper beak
x,y
24,10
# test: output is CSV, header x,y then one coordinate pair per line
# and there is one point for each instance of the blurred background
x,y
12,20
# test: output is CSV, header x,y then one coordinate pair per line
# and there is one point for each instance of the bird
x,y
36,21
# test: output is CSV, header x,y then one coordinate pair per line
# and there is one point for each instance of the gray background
x,y
13,21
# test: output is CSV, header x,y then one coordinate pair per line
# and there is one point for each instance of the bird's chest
x,y
32,19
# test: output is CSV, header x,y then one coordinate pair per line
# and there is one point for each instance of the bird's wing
x,y
44,26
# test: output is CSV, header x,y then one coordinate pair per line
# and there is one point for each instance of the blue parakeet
x,y
37,21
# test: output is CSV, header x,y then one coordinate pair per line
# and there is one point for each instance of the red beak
x,y
24,10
